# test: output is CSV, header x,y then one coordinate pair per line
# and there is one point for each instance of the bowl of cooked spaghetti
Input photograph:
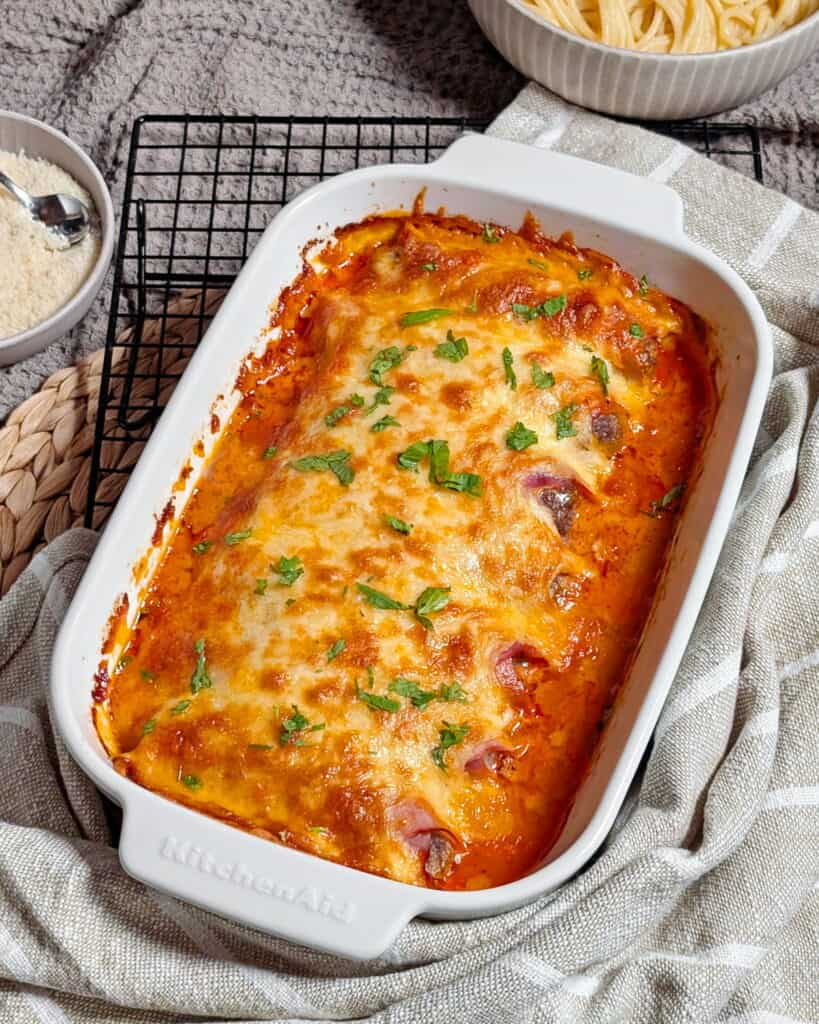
x,y
653,59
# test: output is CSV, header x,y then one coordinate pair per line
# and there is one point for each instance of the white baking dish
x,y
294,894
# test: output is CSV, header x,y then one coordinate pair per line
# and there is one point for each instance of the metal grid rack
x,y
199,192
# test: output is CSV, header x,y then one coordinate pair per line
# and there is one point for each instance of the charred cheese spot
x,y
443,742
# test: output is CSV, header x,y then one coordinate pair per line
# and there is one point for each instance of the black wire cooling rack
x,y
199,191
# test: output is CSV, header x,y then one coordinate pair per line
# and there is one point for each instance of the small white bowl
x,y
38,140
648,86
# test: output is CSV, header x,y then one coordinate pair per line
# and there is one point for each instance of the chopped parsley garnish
x,y
454,349
181,707
509,370
378,599
412,457
288,570
438,453
200,680
260,746
429,266
148,727
340,411
422,316
430,600
549,307
412,691
539,264
449,735
489,235
636,331
389,358
238,536
376,701
520,437
542,378
293,728
381,397
398,524
642,285
337,462
261,586
268,453
191,781
563,421
584,275
473,305
669,498
452,693
601,372
383,423
335,649
202,547
147,675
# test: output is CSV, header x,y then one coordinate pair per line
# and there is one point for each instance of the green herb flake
x,y
454,349
181,707
452,694
335,649
148,727
429,266
563,422
376,701
398,525
422,316
268,453
489,235
547,308
465,483
202,547
600,370
383,423
509,370
414,455
319,830
337,463
539,264
520,438
642,285
191,781
636,331
381,397
260,746
449,735
200,680
340,411
294,727
551,307
388,359
147,675
542,378
584,275
288,570
261,586
438,461
412,691
238,536
378,599
430,600
668,499
473,305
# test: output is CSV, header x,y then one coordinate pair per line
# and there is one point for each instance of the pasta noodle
x,y
675,26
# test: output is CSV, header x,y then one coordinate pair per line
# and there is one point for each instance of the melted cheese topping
x,y
277,699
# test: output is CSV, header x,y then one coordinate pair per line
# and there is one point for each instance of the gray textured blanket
x,y
90,67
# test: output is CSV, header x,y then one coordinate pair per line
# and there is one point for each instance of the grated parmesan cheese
x,y
37,275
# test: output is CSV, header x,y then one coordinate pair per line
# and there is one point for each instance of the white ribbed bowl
x,y
37,139
642,85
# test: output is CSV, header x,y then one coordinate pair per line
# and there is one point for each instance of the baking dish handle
x,y
574,186
278,890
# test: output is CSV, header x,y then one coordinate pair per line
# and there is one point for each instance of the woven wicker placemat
x,y
46,444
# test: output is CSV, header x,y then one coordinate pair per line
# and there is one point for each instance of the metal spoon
x,y
66,216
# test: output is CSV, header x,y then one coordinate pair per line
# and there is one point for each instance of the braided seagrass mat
x,y
46,444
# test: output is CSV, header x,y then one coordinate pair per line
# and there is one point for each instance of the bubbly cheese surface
x,y
414,571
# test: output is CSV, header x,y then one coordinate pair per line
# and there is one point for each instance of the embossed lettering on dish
x,y
308,897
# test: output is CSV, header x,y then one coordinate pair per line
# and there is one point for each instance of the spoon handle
x,y
19,194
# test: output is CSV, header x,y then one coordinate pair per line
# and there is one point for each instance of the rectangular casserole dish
x,y
294,894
